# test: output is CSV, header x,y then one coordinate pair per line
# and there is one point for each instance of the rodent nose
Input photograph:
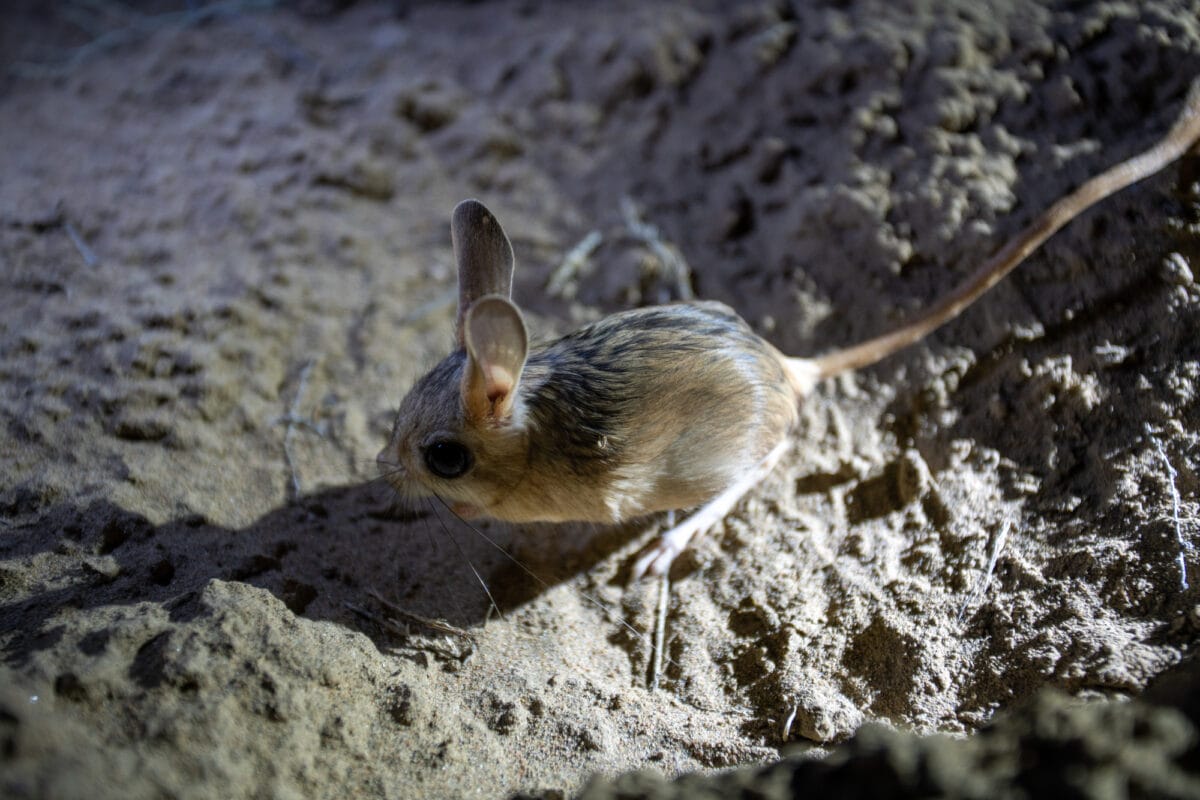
x,y
384,460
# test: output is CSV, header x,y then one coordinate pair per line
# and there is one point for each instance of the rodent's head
x,y
460,433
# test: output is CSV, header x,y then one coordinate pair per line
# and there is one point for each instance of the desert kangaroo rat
x,y
654,409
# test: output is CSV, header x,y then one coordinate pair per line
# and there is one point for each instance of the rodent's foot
x,y
658,556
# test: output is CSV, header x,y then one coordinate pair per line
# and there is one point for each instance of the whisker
x,y
385,475
608,611
344,471
371,462
434,624
434,553
465,558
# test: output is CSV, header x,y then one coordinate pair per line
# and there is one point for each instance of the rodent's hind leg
x,y
659,556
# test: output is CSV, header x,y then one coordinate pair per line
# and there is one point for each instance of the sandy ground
x,y
224,257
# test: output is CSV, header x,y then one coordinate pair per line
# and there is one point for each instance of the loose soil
x,y
225,256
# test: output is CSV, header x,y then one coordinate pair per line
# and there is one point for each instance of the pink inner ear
x,y
498,382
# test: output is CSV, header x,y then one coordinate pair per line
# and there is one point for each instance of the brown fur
x,y
644,411
649,410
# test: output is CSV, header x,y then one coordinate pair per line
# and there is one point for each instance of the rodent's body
x,y
646,410
662,408
657,408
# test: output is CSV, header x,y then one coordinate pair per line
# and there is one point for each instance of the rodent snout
x,y
385,462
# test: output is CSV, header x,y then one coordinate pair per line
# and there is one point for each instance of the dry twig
x,y
977,593
293,419
660,631
433,624
87,14
89,255
673,264
564,280
1176,515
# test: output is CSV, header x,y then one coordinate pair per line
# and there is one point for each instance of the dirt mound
x,y
224,256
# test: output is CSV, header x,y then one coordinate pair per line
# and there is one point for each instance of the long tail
x,y
1182,137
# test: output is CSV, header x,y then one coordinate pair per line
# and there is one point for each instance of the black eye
x,y
447,459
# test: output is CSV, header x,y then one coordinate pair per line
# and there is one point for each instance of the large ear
x,y
496,344
484,256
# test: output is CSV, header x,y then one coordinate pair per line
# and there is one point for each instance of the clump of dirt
x,y
225,256
1051,745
